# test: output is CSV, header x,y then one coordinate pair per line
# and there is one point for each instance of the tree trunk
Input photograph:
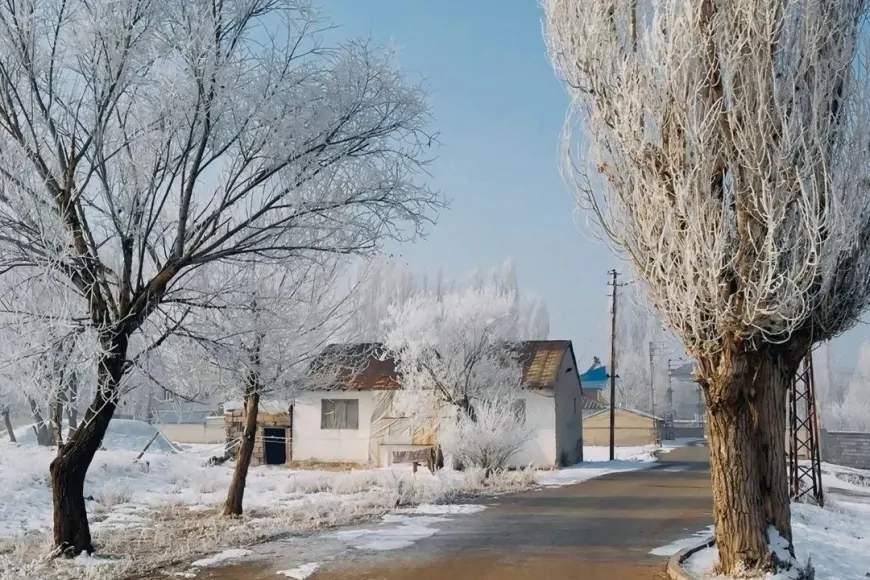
x,y
746,437
56,419
773,379
40,427
235,495
72,534
72,401
7,422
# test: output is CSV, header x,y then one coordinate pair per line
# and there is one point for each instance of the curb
x,y
675,562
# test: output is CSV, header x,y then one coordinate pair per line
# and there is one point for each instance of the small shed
x,y
273,444
632,428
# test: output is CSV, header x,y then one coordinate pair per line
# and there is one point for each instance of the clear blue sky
x,y
499,109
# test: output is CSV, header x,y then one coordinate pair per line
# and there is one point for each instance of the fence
x,y
850,449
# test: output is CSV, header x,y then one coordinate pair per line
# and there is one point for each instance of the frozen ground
x,y
164,507
834,537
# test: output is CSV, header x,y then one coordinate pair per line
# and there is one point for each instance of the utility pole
x,y
670,391
613,376
655,349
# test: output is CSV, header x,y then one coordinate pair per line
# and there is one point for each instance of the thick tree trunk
x,y
7,422
72,534
236,493
746,437
772,381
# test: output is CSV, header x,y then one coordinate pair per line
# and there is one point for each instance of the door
x,y
275,445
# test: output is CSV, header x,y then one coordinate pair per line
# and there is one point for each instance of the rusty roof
x,y
368,366
540,360
358,366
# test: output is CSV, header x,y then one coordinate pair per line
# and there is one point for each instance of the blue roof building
x,y
595,378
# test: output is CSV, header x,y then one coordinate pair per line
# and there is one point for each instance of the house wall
x,y
631,429
310,442
540,451
569,413
206,432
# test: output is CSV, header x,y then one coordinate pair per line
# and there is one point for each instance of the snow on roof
x,y
122,435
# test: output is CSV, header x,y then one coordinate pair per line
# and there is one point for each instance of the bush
x,y
487,438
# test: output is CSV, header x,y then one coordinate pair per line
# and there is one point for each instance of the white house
x,y
355,422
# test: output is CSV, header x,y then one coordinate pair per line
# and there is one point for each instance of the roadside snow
x,y
834,537
165,506
683,544
300,572
596,463
221,558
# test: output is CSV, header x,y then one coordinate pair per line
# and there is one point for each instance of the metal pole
x,y
613,283
652,387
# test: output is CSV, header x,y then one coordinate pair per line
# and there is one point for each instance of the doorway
x,y
275,445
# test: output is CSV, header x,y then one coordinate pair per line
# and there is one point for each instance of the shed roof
x,y
368,366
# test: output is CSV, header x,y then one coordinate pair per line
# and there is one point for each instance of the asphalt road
x,y
602,529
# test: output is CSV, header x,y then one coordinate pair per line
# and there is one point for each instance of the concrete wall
x,y
569,413
681,432
310,442
631,429
207,432
850,449
540,450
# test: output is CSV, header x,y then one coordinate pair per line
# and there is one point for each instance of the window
x,y
339,414
519,409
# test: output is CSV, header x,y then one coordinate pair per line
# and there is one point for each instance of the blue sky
x,y
499,109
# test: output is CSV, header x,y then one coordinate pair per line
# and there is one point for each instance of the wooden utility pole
x,y
613,376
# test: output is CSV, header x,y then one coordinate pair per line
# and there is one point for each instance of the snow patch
x,y
396,532
446,509
220,558
833,537
300,572
596,463
683,543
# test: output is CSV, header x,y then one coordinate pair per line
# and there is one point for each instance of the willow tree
x,y
723,147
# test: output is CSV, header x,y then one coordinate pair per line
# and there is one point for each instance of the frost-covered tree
x,y
455,351
259,328
45,350
722,148
141,140
637,327
851,411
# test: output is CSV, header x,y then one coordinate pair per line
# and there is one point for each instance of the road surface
x,y
602,529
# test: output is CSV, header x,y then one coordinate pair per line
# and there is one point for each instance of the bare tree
x,y
141,140
724,151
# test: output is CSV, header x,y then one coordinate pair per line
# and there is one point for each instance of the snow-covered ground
x,y
835,537
164,507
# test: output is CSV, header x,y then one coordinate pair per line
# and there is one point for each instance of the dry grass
x,y
175,533
317,465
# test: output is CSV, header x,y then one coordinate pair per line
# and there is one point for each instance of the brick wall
x,y
846,448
